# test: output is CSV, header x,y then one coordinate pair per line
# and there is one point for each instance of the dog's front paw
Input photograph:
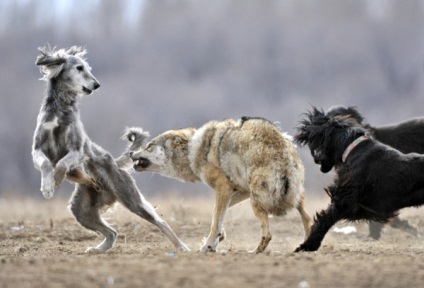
x,y
206,248
59,175
47,188
93,250
47,193
306,248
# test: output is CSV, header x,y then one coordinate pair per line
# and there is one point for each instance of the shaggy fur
x,y
61,149
239,159
373,183
407,137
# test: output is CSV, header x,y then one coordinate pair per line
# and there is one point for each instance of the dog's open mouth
x,y
141,162
86,90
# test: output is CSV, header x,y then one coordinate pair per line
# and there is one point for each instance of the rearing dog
x,y
239,159
406,136
373,180
61,149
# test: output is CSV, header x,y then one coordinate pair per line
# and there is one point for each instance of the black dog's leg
x,y
404,225
322,223
375,229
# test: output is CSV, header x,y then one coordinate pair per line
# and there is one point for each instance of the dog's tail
x,y
136,136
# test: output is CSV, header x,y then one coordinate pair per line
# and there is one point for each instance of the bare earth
x,y
41,245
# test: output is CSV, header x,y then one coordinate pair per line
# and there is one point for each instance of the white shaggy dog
x,y
239,159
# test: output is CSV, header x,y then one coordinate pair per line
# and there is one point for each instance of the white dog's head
x,y
69,68
166,154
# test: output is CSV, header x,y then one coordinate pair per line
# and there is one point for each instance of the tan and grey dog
x,y
239,159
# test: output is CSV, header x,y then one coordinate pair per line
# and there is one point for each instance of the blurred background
x,y
172,64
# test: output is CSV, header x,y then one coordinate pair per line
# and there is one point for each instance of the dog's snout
x,y
96,85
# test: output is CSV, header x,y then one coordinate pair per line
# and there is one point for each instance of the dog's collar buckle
x,y
352,146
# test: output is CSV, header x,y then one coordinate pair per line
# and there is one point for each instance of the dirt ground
x,y
41,245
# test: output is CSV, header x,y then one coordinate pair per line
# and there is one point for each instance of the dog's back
x,y
255,156
407,136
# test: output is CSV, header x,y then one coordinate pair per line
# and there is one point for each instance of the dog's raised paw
x,y
47,188
47,193
59,176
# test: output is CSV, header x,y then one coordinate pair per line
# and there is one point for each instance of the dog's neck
x,y
59,100
61,95
352,146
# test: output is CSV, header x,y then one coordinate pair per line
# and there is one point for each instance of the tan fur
x,y
238,159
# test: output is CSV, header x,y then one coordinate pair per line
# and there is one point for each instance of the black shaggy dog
x,y
407,137
373,180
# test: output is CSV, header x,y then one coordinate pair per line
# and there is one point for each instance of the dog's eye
x,y
80,68
149,147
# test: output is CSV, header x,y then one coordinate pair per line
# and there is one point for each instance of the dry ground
x,y
41,245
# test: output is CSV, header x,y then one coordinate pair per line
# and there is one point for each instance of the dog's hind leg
x,y
306,219
324,220
375,229
131,198
404,225
86,204
263,218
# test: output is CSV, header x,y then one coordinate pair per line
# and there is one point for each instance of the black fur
x,y
406,136
374,182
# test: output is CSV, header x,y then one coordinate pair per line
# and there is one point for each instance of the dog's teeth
x,y
136,162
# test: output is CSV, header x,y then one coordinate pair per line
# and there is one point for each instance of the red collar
x,y
352,146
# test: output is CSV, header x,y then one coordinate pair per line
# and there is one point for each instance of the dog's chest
x,y
57,139
51,125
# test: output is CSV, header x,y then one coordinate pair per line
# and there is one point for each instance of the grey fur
x,y
61,149
137,138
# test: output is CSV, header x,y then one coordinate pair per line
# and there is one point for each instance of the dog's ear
x,y
354,113
50,62
309,124
77,51
350,111
179,142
